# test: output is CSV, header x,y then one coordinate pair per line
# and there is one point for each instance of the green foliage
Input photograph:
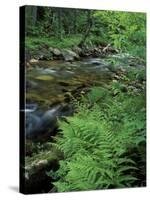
x,y
125,30
97,94
103,143
135,74
62,27
34,43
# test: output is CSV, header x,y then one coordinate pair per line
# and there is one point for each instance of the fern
x,y
99,143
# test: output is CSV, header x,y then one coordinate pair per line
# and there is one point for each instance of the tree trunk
x,y
88,28
59,23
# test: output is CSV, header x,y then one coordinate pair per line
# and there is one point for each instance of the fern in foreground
x,y
103,143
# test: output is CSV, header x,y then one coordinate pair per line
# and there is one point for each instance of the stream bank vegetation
x,y
68,28
102,145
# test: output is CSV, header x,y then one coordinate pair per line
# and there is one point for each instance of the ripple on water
x,y
49,74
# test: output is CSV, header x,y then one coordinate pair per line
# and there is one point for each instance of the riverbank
x,y
45,49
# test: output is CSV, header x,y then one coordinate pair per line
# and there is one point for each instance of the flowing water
x,y
49,85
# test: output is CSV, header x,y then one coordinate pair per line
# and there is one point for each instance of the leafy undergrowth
x,y
104,143
33,43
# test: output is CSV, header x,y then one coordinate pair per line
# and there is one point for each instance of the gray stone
x,y
32,61
36,166
69,55
56,52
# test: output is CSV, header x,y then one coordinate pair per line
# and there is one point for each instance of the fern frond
x,y
96,143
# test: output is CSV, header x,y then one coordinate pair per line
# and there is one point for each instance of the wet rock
x,y
44,78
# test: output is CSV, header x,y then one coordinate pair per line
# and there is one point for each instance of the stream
x,y
50,86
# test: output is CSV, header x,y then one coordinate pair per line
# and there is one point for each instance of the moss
x,y
44,78
41,162
49,155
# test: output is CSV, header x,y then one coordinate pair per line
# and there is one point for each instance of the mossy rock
x,y
34,148
36,166
44,78
41,160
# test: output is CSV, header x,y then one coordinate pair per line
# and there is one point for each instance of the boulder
x,y
77,50
36,166
69,55
51,49
56,52
32,61
37,162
